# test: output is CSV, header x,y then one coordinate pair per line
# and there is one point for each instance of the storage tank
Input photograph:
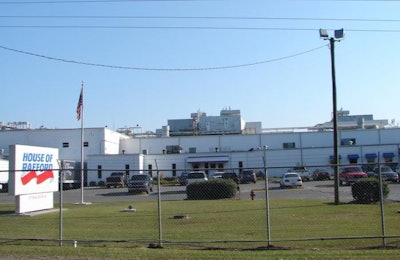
x,y
165,131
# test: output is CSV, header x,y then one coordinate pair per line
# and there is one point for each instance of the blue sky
x,y
291,85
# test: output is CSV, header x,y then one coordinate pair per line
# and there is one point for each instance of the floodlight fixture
x,y
323,33
339,34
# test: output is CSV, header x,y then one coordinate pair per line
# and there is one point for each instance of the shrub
x,y
166,181
211,190
367,191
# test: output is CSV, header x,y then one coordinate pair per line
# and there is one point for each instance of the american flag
x,y
79,106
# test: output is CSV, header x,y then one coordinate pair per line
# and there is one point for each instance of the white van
x,y
196,177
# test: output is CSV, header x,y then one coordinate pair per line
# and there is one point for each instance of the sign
x,y
33,169
69,174
33,177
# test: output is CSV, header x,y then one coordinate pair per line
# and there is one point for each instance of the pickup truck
x,y
303,172
351,174
116,179
140,183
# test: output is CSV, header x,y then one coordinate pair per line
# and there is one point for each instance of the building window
x,y
388,157
85,144
353,158
65,144
174,169
240,166
371,158
332,159
127,170
289,145
150,168
388,160
206,166
348,141
99,172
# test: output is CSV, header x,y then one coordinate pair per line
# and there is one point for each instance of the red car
x,y
321,175
351,174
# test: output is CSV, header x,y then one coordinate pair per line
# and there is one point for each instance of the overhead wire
x,y
188,28
161,69
97,26
93,1
127,1
173,27
196,17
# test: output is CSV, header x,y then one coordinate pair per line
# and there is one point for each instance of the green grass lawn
x,y
228,229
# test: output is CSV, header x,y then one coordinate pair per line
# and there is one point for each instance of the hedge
x,y
211,190
367,191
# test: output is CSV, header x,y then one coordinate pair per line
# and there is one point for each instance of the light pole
x,y
265,147
339,35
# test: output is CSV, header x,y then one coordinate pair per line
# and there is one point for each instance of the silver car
x,y
387,174
196,177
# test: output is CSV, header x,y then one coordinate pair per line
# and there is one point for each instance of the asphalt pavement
x,y
311,190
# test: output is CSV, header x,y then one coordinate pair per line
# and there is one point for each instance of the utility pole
x,y
339,34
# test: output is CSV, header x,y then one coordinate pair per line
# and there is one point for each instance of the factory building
x,y
224,142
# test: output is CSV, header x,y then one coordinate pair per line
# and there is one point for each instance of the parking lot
x,y
311,190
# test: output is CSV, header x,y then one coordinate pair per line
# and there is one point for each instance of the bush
x,y
169,181
367,191
211,190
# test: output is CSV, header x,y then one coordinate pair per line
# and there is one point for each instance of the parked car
x,y
183,178
321,175
303,172
231,175
387,174
351,174
291,179
140,183
196,176
216,175
247,176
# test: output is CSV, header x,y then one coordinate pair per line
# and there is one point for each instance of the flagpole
x,y
82,146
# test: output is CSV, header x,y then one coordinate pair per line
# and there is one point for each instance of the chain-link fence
x,y
247,210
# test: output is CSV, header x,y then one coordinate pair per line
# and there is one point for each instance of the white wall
x,y
3,171
101,140
112,163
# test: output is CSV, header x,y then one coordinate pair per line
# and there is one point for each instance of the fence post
x,y
381,203
267,199
159,206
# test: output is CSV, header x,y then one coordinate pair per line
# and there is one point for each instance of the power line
x,y
161,69
127,1
87,1
186,28
195,18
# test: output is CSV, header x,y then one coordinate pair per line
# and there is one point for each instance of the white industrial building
x,y
106,150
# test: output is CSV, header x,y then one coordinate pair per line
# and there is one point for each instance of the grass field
x,y
220,229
